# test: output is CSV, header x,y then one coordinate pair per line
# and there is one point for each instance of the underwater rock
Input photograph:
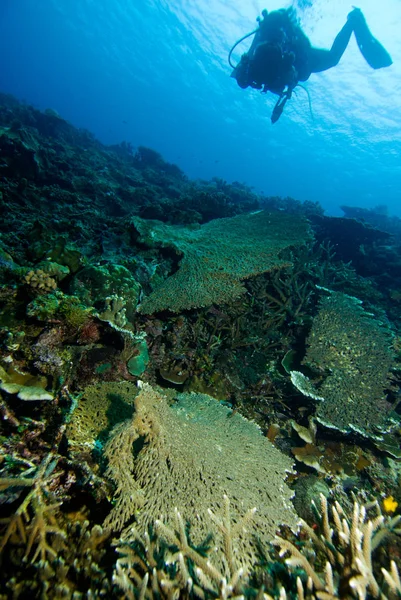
x,y
20,153
66,254
307,490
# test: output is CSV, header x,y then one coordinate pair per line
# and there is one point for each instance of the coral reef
x,y
178,466
102,286
332,560
98,410
25,385
347,543
164,563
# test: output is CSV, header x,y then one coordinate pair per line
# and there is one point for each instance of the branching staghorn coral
x,y
335,564
218,256
347,544
164,562
35,520
46,552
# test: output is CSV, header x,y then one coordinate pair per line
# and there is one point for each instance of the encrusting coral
x,y
192,454
218,256
26,386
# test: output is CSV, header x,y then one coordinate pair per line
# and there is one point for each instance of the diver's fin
x,y
371,49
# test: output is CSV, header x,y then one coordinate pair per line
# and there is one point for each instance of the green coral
x,y
218,256
66,254
44,307
53,269
137,364
61,306
74,312
114,312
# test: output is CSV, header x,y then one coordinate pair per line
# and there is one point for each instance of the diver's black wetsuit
x,y
281,54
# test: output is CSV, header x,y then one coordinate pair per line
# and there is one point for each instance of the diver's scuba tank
x,y
268,65
241,72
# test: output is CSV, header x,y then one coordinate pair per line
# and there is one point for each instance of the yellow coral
x,y
389,504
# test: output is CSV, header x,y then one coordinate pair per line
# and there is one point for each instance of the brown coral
x,y
40,281
35,520
98,405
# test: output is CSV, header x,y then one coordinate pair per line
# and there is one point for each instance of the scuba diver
x,y
281,55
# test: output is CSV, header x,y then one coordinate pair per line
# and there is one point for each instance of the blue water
x,y
155,73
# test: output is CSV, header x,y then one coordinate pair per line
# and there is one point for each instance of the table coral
x,y
351,349
195,452
99,407
218,256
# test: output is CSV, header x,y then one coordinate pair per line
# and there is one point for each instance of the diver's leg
x,y
321,60
371,49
